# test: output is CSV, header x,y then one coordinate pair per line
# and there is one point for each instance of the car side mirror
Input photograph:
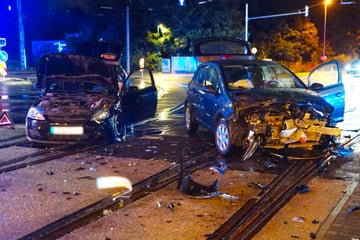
x,y
316,86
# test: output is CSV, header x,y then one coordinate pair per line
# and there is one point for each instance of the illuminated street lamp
x,y
323,57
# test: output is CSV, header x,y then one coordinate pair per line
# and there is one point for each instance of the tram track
x,y
45,155
257,211
119,200
17,140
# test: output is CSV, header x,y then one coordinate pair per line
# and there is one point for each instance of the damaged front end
x,y
300,130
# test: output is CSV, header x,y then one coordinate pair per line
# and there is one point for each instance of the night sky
x,y
40,17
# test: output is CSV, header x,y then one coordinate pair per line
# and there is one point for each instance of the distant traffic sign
x,y
2,42
3,56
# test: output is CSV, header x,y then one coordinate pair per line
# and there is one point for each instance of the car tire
x,y
190,122
119,128
223,137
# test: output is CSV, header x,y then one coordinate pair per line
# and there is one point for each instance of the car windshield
x,y
85,85
265,76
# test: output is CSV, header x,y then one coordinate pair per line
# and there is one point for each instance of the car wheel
x,y
222,137
119,128
190,122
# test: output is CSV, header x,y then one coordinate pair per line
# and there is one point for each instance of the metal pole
x,y
21,36
157,49
323,57
127,40
246,22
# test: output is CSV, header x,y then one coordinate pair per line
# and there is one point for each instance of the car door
x,y
210,101
326,79
139,96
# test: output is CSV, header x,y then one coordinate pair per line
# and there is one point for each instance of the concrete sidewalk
x,y
343,222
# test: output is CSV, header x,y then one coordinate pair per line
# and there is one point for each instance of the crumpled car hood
x,y
57,65
66,108
266,97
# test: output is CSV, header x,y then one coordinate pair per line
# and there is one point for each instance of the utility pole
x,y
127,40
21,37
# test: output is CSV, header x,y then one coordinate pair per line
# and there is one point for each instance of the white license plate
x,y
66,130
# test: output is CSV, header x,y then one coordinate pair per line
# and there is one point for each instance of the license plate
x,y
66,130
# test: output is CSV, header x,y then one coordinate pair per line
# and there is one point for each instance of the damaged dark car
x,y
81,101
259,104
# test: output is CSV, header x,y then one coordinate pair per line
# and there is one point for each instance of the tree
x,y
292,45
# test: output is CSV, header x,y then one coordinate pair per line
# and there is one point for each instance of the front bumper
x,y
45,132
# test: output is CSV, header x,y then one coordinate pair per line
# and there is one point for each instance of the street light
x,y
159,27
323,57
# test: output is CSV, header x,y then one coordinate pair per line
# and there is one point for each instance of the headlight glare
x,y
34,113
101,115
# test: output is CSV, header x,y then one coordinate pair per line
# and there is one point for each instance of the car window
x,y
207,76
277,76
238,77
270,76
140,80
326,75
212,78
200,76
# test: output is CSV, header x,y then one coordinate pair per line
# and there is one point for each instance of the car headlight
x,y
100,115
34,113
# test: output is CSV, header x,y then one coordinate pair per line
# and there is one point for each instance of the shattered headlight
x,y
100,115
34,113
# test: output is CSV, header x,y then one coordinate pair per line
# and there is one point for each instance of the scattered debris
x,y
50,173
109,151
315,221
193,189
159,203
73,193
295,236
226,196
172,205
92,169
353,209
107,211
79,169
196,190
312,235
298,219
259,185
219,167
303,189
86,177
269,164
113,182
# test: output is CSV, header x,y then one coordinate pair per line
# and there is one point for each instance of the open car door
x,y
139,96
326,79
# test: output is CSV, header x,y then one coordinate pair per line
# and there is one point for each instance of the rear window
x,y
222,48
